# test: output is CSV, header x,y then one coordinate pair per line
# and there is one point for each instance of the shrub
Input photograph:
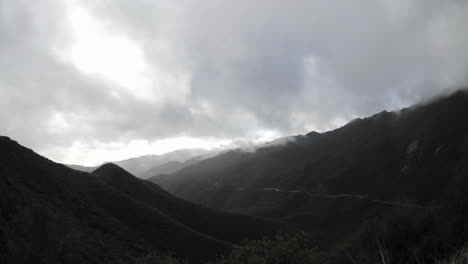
x,y
283,249
157,257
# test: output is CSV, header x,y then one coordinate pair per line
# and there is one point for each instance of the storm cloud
x,y
86,75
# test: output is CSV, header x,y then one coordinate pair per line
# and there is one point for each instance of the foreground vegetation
x,y
283,249
294,249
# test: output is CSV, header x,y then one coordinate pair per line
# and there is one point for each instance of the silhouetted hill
x,y
414,161
225,226
50,213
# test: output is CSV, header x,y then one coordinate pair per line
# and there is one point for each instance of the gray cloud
x,y
245,66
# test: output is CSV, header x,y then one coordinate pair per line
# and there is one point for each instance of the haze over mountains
x,y
173,166
399,177
139,166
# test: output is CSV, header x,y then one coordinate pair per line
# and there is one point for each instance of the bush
x,y
283,249
157,257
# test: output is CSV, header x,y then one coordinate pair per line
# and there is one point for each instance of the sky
x,y
90,81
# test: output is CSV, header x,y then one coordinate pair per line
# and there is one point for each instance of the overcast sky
x,y
88,81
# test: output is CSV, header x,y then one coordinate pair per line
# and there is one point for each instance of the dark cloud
x,y
225,69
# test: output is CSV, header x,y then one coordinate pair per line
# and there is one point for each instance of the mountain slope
x,y
173,166
166,168
407,163
225,226
50,213
411,152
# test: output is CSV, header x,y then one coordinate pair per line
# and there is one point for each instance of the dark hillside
x,y
408,166
225,226
50,213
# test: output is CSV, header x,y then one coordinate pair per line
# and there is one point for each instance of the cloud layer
x,y
116,72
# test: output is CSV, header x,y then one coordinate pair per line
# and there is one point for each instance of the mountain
x,y
173,166
166,168
393,182
81,168
139,166
50,213
375,171
374,156
224,226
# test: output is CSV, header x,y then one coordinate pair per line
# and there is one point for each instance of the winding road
x,y
354,196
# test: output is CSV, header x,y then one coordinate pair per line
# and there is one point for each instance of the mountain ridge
x,y
416,156
68,214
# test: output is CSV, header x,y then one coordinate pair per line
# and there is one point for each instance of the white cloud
x,y
90,74
95,49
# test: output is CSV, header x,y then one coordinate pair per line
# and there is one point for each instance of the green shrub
x,y
283,249
157,257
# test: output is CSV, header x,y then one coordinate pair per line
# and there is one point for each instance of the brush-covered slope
x,y
50,213
224,226
410,165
